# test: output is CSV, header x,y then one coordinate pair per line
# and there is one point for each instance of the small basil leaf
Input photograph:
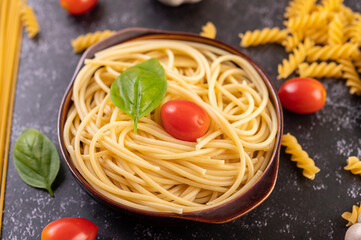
x,y
36,159
139,89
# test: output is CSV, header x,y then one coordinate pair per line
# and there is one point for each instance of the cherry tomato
x,y
70,229
77,7
184,120
302,95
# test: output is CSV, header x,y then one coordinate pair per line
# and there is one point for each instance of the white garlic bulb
x,y
353,232
175,3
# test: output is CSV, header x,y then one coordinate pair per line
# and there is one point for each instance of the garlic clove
x,y
353,232
176,3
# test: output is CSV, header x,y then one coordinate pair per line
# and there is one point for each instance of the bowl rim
x,y
209,215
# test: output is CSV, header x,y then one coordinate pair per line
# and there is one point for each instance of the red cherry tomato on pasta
x,y
302,95
70,229
77,7
184,120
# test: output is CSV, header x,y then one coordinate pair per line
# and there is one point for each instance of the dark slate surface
x,y
297,209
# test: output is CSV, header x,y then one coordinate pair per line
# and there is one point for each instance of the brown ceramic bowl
x,y
226,212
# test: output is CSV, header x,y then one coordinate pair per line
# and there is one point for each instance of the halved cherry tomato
x,y
184,120
302,95
77,7
70,229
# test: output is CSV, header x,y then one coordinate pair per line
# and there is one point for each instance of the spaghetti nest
x,y
150,169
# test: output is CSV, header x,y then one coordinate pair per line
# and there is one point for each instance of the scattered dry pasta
x,y
353,165
353,31
335,31
209,30
292,41
29,20
352,77
299,156
333,52
84,41
301,23
299,8
295,58
351,217
266,35
331,5
320,70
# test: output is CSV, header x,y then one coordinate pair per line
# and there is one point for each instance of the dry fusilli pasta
x,y
358,64
299,156
209,30
301,23
353,165
320,70
318,35
84,41
298,8
335,31
295,58
333,52
353,31
292,41
331,5
351,217
347,13
29,20
352,77
266,35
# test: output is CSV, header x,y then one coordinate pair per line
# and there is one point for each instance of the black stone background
x,y
297,209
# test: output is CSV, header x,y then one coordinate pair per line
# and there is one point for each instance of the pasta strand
x,y
152,170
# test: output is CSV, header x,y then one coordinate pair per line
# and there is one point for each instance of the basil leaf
x,y
139,89
36,159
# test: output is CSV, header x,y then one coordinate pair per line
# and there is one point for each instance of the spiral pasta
x,y
301,23
317,35
357,64
209,30
351,217
82,42
353,165
295,58
30,22
320,70
335,31
292,41
331,5
299,156
297,8
348,14
352,77
266,35
333,52
353,31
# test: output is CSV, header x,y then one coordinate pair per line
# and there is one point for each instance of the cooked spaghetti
x,y
150,169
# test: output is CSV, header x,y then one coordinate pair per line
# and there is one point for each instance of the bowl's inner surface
x,y
239,205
